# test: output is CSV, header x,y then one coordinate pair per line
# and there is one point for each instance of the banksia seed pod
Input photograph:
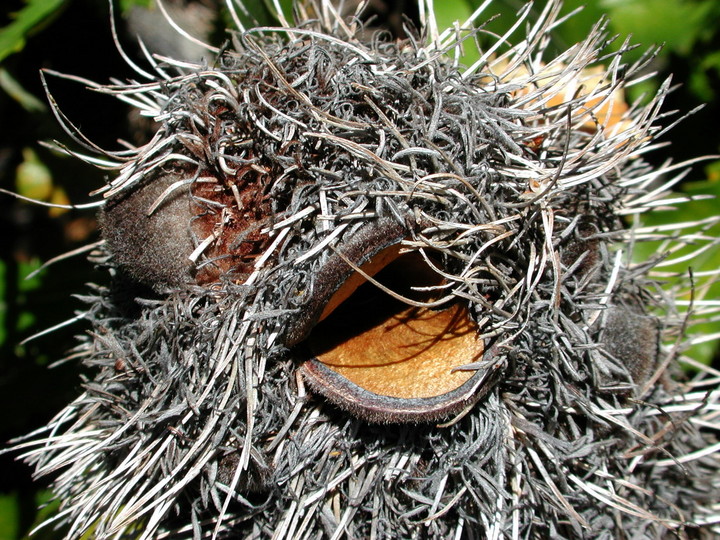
x,y
372,294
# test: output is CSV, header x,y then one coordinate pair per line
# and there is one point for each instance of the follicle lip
x,y
364,245
378,408
381,359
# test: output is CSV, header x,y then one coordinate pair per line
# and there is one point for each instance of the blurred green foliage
x,y
689,30
25,22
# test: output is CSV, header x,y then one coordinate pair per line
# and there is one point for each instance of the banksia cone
x,y
358,290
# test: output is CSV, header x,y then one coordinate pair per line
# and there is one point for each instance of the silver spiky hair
x,y
287,164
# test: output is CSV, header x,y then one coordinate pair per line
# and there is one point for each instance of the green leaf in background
x,y
682,27
677,23
25,317
127,5
9,516
495,19
447,14
286,6
707,261
26,21
701,78
251,14
28,102
47,508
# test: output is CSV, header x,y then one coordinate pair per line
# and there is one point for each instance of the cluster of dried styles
x,y
360,291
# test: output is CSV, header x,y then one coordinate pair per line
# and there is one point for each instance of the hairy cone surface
x,y
290,161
